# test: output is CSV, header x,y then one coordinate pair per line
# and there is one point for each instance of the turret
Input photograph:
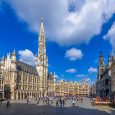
x,y
113,58
13,57
54,75
101,60
2,60
8,56
13,60
101,66
109,60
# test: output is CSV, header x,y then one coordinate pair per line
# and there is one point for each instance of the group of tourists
x,y
62,100
28,100
59,101
80,99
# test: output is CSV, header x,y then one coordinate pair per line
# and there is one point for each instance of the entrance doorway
x,y
7,92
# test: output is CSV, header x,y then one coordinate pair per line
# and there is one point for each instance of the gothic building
x,y
92,92
105,77
51,85
22,80
1,84
42,62
113,78
19,80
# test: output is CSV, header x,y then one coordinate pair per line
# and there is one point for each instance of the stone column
x,y
12,95
16,94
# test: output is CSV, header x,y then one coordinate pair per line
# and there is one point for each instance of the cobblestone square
x,y
84,108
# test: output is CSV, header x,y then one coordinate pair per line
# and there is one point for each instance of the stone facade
x,y
64,88
19,80
1,84
42,61
22,80
92,90
51,84
105,79
113,78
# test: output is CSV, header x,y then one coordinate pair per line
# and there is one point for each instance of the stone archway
x,y
107,92
7,91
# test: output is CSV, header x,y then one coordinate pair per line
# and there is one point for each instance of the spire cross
x,y
42,19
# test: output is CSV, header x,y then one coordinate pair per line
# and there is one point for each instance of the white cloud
x,y
92,70
81,75
27,56
61,25
74,54
111,37
71,70
87,79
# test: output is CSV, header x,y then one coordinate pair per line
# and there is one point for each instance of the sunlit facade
x,y
19,80
64,88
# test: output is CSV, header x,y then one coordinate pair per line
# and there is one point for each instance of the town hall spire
x,y
42,40
42,66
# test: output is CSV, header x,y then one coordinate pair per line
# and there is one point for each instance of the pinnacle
x,y
42,19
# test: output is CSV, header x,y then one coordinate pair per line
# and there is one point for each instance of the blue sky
x,y
76,32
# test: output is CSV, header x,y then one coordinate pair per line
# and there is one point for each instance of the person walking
x,y
48,101
57,103
60,103
81,100
63,102
52,101
8,104
73,103
27,100
38,101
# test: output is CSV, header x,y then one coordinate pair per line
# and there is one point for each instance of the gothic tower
x,y
42,61
109,60
101,66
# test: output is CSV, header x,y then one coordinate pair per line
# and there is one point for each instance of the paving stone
x,y
20,107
